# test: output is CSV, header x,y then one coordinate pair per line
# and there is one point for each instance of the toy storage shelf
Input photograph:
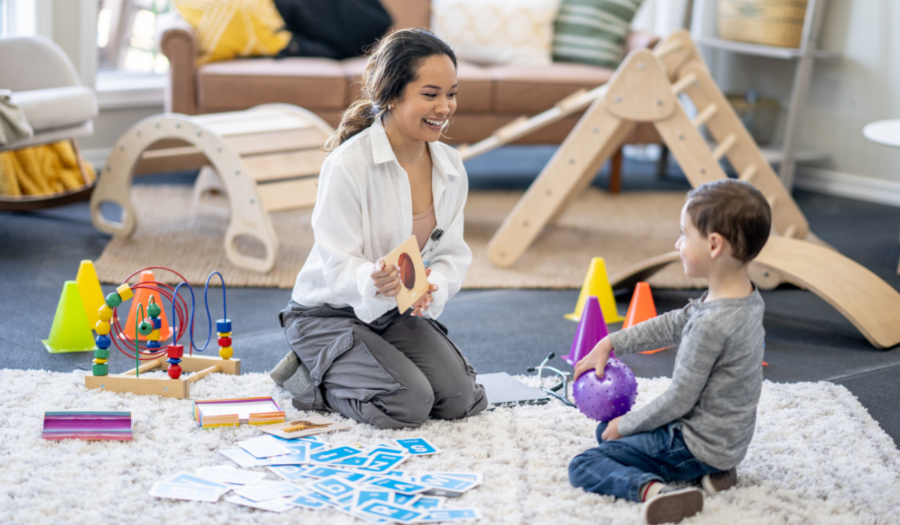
x,y
704,32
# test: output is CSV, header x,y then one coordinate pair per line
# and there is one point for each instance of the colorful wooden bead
x,y
224,334
145,327
175,351
101,370
105,313
125,292
103,341
174,371
226,352
223,325
102,328
154,335
224,341
101,353
153,309
100,361
157,323
113,300
153,345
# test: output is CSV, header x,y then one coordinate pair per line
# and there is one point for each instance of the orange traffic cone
x,y
641,309
142,296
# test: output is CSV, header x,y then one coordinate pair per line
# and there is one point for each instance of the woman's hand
x,y
425,301
595,360
387,280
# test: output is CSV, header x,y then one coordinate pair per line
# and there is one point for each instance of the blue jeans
x,y
622,466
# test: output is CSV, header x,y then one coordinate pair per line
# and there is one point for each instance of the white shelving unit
x,y
704,32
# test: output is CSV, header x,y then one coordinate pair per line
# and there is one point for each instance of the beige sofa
x,y
489,97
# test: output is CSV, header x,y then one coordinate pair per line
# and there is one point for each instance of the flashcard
x,y
188,479
378,509
308,501
299,454
328,472
442,493
475,477
418,446
397,485
263,447
269,490
333,488
272,505
384,449
383,462
242,458
291,472
333,454
188,492
304,427
353,461
404,500
446,483
413,282
364,496
435,516
428,503
232,476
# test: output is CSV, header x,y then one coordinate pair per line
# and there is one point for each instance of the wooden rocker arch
x,y
266,158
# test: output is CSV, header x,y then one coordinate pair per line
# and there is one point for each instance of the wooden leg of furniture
x,y
662,163
615,172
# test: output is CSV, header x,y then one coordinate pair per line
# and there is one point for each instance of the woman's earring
x,y
389,107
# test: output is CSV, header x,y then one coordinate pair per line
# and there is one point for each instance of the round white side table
x,y
886,132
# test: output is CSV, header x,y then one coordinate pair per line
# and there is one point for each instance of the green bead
x,y
153,310
113,300
145,327
101,353
101,370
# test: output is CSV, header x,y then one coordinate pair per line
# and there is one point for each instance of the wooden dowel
x,y
146,367
203,373
663,53
684,82
705,115
748,173
772,200
790,231
724,146
510,128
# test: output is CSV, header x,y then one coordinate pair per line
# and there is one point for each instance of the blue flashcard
x,y
333,454
384,449
440,482
404,500
309,502
428,503
435,516
352,461
365,496
188,479
418,446
291,472
333,488
475,477
383,462
383,510
404,487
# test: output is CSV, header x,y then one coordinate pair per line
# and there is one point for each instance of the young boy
x,y
702,425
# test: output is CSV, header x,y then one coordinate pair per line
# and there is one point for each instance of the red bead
x,y
224,341
174,371
176,351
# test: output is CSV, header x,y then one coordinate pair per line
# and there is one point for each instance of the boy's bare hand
x,y
387,280
425,301
595,360
612,430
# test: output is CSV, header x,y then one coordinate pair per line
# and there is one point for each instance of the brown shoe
x,y
674,506
720,481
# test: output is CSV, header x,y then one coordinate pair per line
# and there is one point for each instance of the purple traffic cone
x,y
591,329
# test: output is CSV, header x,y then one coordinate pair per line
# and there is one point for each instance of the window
x,y
126,40
3,17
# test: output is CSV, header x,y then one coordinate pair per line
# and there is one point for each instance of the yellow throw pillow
x,y
235,28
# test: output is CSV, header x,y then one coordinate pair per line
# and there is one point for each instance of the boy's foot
x,y
673,506
285,368
719,481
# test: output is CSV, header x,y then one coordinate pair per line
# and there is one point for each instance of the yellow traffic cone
x,y
70,331
597,283
89,288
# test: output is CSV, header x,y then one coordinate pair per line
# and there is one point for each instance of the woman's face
x,y
427,102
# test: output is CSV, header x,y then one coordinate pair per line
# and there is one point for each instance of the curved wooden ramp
x,y
868,302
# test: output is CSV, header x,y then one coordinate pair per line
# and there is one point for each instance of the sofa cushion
x,y
52,108
475,84
312,83
409,13
532,89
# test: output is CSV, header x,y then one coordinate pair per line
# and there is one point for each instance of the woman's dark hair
x,y
393,64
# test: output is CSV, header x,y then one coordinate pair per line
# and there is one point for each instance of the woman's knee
x,y
411,404
468,400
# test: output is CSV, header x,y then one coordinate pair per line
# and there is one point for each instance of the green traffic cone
x,y
70,331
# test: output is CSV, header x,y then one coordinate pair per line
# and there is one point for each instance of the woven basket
x,y
768,22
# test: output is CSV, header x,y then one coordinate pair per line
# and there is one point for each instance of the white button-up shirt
x,y
364,210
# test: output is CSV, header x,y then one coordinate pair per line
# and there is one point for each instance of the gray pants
x,y
392,373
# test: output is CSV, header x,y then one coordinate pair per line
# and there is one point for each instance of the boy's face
x,y
693,247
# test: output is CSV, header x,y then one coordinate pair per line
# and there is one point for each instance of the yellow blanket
x,y
42,170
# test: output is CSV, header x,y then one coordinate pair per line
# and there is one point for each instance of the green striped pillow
x,y
593,31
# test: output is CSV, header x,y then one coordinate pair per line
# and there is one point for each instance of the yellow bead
x,y
105,313
226,352
99,361
102,328
154,336
224,334
125,292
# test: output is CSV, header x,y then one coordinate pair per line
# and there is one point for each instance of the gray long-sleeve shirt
x,y
717,377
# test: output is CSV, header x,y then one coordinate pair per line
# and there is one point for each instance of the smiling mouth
x,y
435,124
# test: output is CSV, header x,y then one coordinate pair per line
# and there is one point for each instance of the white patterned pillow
x,y
497,32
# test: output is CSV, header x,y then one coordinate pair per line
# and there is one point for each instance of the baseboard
x,y
847,185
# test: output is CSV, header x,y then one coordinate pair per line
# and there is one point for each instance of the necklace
x,y
415,159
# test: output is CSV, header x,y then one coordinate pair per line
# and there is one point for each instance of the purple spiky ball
x,y
609,397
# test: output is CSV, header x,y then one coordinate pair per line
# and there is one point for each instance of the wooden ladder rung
x,y
790,231
705,115
748,173
772,200
724,146
505,131
668,50
684,82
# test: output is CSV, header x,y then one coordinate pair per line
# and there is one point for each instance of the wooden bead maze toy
x,y
147,324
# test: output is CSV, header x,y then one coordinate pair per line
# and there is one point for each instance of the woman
x,y
386,177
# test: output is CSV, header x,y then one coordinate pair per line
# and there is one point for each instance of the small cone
x,y
89,288
641,309
596,283
142,296
591,329
70,331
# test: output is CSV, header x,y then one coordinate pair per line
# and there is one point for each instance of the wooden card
x,y
414,284
305,426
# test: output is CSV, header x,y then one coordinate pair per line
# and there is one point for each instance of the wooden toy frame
x,y
164,386
266,158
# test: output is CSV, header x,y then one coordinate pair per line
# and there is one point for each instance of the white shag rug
x,y
817,457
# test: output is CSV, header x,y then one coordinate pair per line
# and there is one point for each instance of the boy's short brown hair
x,y
735,210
